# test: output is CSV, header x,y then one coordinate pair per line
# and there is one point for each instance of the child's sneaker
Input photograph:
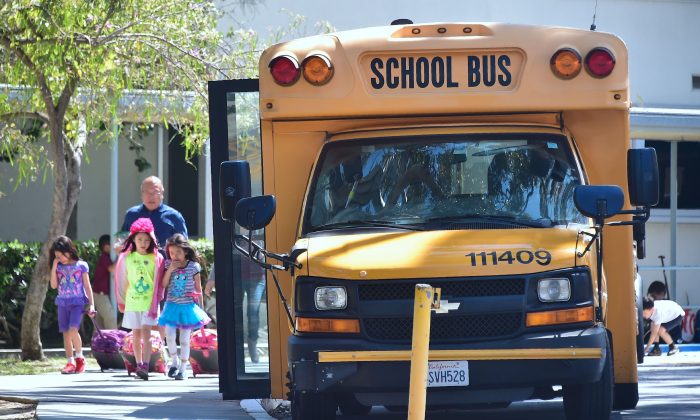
x,y
673,349
68,369
172,372
180,376
142,371
656,351
80,365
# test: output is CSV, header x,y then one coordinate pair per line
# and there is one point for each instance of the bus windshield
x,y
429,182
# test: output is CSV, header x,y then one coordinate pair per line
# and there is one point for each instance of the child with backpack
x,y
183,304
137,278
69,274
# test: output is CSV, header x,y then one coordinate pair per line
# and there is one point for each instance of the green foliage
x,y
127,60
17,261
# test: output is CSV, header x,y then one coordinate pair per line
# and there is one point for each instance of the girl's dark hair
x,y
180,241
129,244
65,245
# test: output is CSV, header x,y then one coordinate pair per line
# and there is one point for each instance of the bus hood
x,y
451,253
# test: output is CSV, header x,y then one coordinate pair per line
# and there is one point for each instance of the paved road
x,y
114,395
669,389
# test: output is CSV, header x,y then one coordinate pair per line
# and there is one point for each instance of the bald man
x,y
166,220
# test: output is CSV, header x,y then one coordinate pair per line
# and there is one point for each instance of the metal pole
x,y
114,198
419,351
674,211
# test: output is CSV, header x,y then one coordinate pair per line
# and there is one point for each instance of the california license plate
x,y
448,373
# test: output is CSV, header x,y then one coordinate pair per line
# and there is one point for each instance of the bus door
x,y
241,301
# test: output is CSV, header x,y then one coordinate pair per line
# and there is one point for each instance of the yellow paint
x,y
483,354
422,305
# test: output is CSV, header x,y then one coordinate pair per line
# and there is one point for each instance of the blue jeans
x,y
253,289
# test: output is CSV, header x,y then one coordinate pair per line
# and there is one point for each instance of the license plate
x,y
448,373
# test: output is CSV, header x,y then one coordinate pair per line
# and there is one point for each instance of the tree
x,y
68,67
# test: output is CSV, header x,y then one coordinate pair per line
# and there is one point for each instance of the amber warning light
x,y
566,63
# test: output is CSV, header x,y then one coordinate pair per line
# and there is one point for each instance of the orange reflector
x,y
566,63
317,69
565,316
327,325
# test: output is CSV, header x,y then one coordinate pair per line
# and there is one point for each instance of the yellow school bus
x,y
484,159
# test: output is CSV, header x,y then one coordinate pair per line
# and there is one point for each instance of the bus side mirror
x,y
598,201
643,177
234,185
255,213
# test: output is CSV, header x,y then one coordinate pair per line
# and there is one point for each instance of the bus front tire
x,y
313,405
591,401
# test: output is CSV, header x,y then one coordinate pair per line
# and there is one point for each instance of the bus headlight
x,y
554,290
330,297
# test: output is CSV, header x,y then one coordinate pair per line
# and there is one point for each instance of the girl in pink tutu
x,y
183,303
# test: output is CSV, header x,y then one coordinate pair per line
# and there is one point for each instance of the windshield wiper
x,y
365,223
541,223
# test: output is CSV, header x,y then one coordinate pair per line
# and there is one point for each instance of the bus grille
x,y
393,290
444,328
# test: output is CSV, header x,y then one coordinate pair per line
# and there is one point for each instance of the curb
x,y
255,410
18,400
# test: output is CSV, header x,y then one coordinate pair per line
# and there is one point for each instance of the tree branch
x,y
26,114
165,41
66,94
41,80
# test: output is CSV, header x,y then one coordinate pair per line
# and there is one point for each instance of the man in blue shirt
x,y
166,220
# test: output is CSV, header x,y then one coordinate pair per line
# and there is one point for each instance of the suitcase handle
x,y
97,327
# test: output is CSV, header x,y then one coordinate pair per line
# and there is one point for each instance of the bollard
x,y
422,305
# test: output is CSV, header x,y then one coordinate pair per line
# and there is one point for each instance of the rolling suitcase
x,y
204,352
157,362
105,346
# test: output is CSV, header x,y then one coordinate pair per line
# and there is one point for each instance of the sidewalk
x,y
114,395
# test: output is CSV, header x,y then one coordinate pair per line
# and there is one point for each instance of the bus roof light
x,y
600,62
566,63
285,70
317,69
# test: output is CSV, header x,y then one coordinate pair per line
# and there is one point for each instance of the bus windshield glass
x,y
431,182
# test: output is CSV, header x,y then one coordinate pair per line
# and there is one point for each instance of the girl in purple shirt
x,y
69,274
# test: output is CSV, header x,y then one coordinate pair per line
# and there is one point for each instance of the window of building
x,y
688,173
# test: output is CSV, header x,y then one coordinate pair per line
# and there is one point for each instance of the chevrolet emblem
x,y
446,306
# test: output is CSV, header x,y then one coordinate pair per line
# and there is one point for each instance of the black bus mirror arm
x,y
641,215
593,237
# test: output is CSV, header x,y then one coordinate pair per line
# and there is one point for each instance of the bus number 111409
x,y
541,257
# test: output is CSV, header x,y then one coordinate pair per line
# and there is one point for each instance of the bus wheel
x,y
313,405
349,406
591,401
